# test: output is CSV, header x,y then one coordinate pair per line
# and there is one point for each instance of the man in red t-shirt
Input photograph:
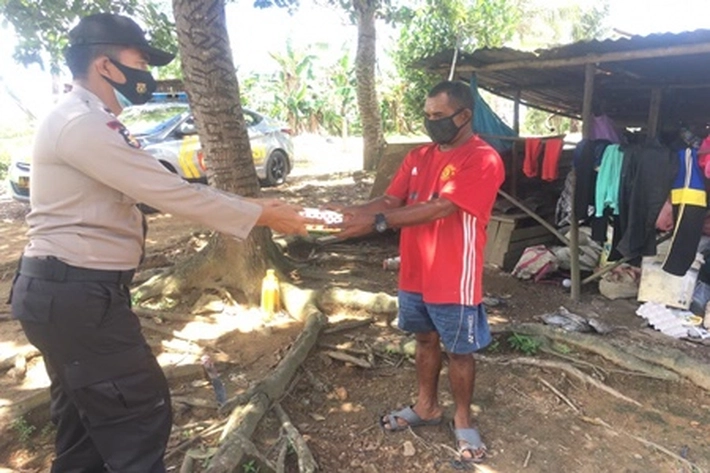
x,y
441,197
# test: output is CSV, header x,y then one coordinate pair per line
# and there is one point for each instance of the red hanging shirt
x,y
443,259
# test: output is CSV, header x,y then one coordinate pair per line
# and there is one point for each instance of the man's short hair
x,y
459,93
81,56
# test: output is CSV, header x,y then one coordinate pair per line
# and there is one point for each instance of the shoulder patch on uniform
x,y
125,134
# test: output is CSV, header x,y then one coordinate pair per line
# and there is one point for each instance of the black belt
x,y
52,269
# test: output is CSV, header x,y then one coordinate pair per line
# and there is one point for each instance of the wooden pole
x,y
516,112
654,113
537,63
589,71
540,220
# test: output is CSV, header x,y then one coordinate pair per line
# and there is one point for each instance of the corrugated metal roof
x,y
623,86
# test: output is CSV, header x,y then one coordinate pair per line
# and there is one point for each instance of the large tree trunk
x,y
213,90
373,139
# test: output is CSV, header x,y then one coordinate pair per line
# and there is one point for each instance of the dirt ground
x,y
335,405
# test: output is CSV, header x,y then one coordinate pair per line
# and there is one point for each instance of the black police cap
x,y
107,28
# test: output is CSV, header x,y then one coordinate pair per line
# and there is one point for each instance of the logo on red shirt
x,y
448,172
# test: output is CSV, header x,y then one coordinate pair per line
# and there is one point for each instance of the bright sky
x,y
254,33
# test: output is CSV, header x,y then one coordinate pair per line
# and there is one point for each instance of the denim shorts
x,y
462,328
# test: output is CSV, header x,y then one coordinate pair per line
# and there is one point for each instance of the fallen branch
x,y
306,462
194,402
599,422
336,355
281,462
214,429
9,361
557,393
566,367
348,326
187,464
244,418
346,349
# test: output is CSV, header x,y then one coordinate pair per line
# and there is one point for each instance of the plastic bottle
x,y
270,295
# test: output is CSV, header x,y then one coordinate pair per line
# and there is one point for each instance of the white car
x,y
166,130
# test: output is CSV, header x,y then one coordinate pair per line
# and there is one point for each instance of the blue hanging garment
x,y
486,122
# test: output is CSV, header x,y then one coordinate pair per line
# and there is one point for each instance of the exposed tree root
x,y
692,467
567,368
306,462
377,303
225,261
671,358
10,361
244,417
594,344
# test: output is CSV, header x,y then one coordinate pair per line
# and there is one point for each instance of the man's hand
x,y
281,217
355,224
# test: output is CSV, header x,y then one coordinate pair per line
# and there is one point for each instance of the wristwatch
x,y
380,223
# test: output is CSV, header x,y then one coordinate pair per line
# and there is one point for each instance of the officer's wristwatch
x,y
380,223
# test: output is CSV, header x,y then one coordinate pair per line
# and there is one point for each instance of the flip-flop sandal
x,y
469,440
389,422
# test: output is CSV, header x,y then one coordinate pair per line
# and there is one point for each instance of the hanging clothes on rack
x,y
689,201
647,174
551,159
531,163
604,128
608,181
587,161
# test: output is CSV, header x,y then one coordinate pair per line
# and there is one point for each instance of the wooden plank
x,y
589,72
654,113
530,232
500,246
514,218
616,56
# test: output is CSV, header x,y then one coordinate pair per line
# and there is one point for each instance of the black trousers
x,y
110,398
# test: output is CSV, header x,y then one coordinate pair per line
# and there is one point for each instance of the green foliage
x,y
250,467
42,26
23,429
494,347
524,344
440,25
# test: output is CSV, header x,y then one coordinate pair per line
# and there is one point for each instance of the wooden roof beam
x,y
615,56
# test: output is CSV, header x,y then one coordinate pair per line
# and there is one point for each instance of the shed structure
x,y
650,82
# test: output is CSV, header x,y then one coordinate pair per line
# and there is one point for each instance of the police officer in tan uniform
x,y
110,399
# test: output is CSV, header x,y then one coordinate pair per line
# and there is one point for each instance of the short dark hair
x,y
79,57
459,93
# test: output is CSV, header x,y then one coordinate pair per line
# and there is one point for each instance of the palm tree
x,y
365,60
211,84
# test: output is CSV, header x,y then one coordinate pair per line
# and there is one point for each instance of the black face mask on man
x,y
139,85
443,130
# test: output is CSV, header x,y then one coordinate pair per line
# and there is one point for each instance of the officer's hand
x,y
355,224
282,217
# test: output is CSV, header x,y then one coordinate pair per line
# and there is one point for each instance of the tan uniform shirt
x,y
87,175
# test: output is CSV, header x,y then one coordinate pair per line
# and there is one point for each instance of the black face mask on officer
x,y
444,130
139,85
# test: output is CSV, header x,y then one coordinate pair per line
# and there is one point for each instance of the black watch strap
x,y
380,223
